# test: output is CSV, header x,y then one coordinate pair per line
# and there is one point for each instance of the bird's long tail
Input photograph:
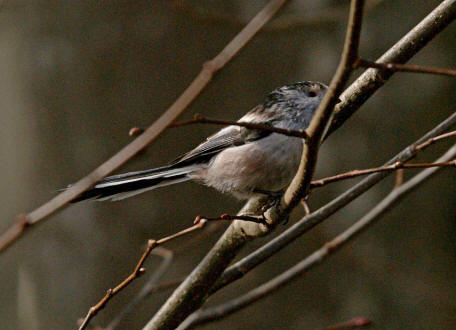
x,y
122,186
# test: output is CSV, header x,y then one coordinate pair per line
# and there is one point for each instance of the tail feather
x,y
122,186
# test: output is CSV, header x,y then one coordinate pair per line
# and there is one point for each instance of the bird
x,y
240,161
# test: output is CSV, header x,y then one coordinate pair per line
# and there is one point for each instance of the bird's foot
x,y
273,199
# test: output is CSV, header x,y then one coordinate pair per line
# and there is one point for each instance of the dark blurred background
x,y
75,76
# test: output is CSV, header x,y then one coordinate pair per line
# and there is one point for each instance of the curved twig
x,y
138,271
300,184
149,287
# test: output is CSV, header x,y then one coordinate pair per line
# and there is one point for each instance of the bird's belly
x,y
268,164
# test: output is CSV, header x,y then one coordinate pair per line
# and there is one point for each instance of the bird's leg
x,y
272,200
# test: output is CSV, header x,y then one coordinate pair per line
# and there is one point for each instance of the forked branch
x,y
316,258
138,271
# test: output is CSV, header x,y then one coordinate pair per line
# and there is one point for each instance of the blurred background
x,y
75,76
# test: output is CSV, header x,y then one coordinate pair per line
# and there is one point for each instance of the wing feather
x,y
228,137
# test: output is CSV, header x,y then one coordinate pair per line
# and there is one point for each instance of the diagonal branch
x,y
386,168
147,289
322,118
242,267
26,221
138,271
196,285
232,306
194,291
371,80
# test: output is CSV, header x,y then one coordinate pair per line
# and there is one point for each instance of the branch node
x,y
360,322
198,219
135,131
211,66
198,117
331,245
141,271
202,223
151,243
22,221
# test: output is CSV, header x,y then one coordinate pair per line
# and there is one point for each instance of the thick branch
x,y
228,308
242,267
198,283
191,294
371,80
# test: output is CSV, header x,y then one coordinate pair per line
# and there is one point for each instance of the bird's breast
x,y
267,164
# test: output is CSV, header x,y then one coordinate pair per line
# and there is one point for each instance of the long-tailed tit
x,y
235,160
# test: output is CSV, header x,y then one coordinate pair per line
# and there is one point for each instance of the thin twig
x,y
385,168
151,284
183,301
148,288
243,266
397,67
427,143
145,292
232,241
391,167
191,294
305,206
138,271
228,217
371,80
228,308
309,18
300,184
399,179
199,119
26,221
357,322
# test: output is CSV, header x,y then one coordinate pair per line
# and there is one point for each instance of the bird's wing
x,y
228,137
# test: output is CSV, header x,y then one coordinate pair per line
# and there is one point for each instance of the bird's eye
x,y
312,92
